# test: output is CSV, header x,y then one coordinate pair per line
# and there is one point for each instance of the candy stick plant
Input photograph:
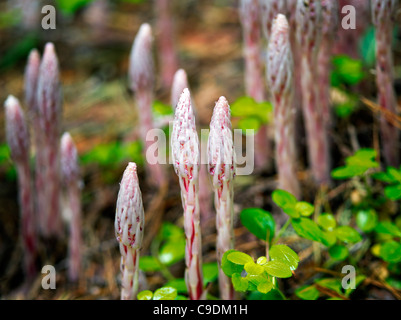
x,y
141,74
280,79
70,173
254,84
186,161
48,160
129,227
329,29
383,15
308,17
221,159
19,143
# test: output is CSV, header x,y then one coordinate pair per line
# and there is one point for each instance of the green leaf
x,y
253,268
347,234
307,293
278,269
329,238
172,252
308,229
393,192
261,260
210,272
366,220
347,70
160,109
284,254
165,293
383,176
357,165
259,222
265,287
71,6
327,221
391,251
149,264
387,227
394,174
286,201
247,107
179,284
169,231
239,258
331,283
145,295
271,295
228,267
240,284
304,208
338,252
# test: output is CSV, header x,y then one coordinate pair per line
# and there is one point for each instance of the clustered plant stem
x,y
308,17
72,196
280,79
141,73
383,14
329,28
167,53
17,135
186,160
48,159
129,227
254,84
221,165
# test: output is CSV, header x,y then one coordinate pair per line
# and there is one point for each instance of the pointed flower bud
x,y
129,227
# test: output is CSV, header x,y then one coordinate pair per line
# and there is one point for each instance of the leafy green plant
x,y
357,164
325,230
393,177
248,275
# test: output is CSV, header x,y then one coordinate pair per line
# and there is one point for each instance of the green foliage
x,y
390,251
246,275
160,109
6,163
338,252
393,177
259,222
366,220
357,165
325,231
112,154
170,246
284,254
18,51
346,71
69,7
289,204
251,114
307,292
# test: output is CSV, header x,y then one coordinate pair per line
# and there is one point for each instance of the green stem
x,y
282,230
275,286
